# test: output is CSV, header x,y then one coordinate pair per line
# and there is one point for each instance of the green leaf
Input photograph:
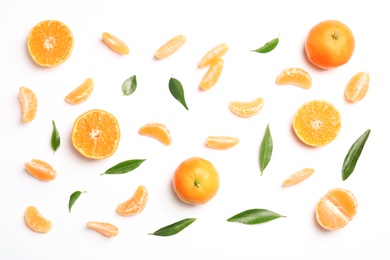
x,y
174,228
353,155
269,46
266,148
255,216
176,89
55,138
129,85
73,197
124,167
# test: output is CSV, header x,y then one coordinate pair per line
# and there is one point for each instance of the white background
x,y
145,26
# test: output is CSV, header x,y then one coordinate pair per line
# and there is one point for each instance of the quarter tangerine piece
x,y
157,131
170,47
50,43
81,93
135,204
294,76
213,55
35,221
96,134
298,177
317,123
104,228
246,108
212,75
357,87
40,170
115,44
28,103
221,142
336,209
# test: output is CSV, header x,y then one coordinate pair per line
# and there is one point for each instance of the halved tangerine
x,y
104,228
357,87
28,104
35,221
115,44
81,93
158,131
135,204
170,47
246,108
221,142
213,55
40,170
294,76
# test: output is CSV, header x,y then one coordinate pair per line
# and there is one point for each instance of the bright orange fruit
x,y
35,221
170,47
135,204
221,142
294,76
96,134
104,228
246,108
115,44
329,44
81,93
212,75
196,181
213,55
157,131
317,123
28,104
50,43
336,209
357,87
40,170
298,177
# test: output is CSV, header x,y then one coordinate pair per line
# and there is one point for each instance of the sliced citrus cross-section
x,y
294,76
115,44
298,177
40,170
96,134
135,204
212,75
50,43
213,55
28,104
35,221
246,108
158,131
317,123
81,93
336,209
357,87
170,47
221,142
104,228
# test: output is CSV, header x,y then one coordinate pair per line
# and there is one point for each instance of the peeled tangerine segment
x,y
28,103
221,142
157,131
81,93
357,87
40,170
212,75
35,221
212,56
246,108
298,176
135,204
115,44
294,76
104,228
169,48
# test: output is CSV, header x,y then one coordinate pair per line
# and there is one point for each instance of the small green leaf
x,y
73,197
255,216
129,85
174,228
176,89
269,46
124,167
266,148
353,155
55,138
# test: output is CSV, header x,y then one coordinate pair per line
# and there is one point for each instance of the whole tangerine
x,y
329,44
196,181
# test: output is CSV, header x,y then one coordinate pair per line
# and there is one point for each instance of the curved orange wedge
x,y
294,76
35,221
135,204
104,228
40,170
212,56
357,87
81,93
28,103
298,177
246,108
157,131
212,75
115,44
221,142
169,48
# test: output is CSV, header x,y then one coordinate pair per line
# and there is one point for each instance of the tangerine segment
x,y
50,43
213,55
336,209
104,228
135,204
157,131
212,75
40,170
35,221
357,87
246,108
294,76
317,123
115,44
28,104
298,177
221,142
170,47
96,134
81,93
